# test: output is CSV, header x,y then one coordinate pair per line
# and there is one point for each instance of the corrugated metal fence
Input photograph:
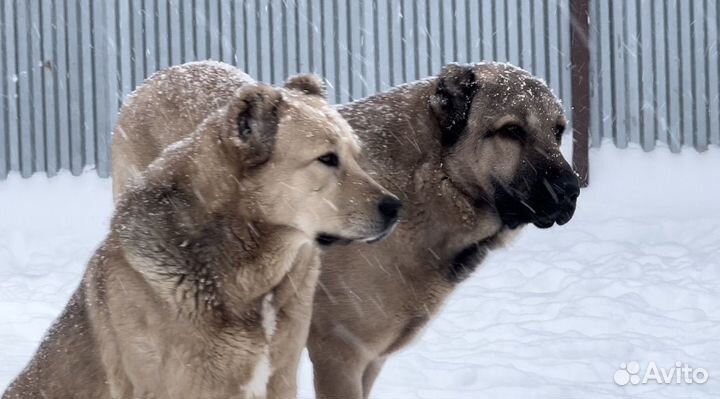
x,y
66,65
655,72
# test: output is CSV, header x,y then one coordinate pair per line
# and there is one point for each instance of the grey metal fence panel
x,y
712,65
655,73
10,96
66,65
4,153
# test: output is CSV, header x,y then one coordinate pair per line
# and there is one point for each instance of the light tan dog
x,y
204,286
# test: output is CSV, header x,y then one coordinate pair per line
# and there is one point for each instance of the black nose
x,y
569,187
567,193
389,207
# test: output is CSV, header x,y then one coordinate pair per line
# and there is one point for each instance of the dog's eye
x,y
330,159
513,132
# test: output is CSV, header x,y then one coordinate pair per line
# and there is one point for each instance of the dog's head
x,y
500,132
298,161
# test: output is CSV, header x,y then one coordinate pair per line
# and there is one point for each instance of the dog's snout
x,y
568,191
570,187
389,208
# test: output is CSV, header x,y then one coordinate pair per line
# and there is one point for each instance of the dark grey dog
x,y
474,155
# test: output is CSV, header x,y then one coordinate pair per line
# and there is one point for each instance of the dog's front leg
x,y
339,360
370,375
294,299
333,381
283,383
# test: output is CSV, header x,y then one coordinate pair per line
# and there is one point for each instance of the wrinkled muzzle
x,y
547,198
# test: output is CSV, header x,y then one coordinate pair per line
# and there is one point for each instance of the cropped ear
x,y
450,104
307,83
253,115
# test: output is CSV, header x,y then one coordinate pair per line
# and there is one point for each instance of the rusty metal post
x,y
580,60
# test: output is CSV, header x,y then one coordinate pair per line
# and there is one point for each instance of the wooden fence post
x,y
580,75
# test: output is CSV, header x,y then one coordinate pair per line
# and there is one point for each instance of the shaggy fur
x,y
204,286
474,154
468,151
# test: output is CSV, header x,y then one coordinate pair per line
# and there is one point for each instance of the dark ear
x,y
254,117
306,83
451,102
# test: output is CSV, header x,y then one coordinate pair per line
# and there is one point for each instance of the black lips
x,y
550,200
330,239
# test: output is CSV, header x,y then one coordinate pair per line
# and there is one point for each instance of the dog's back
x,y
166,108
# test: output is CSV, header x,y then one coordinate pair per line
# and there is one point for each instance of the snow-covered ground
x,y
635,277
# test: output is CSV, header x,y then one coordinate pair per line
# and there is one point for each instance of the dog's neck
x,y
209,263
